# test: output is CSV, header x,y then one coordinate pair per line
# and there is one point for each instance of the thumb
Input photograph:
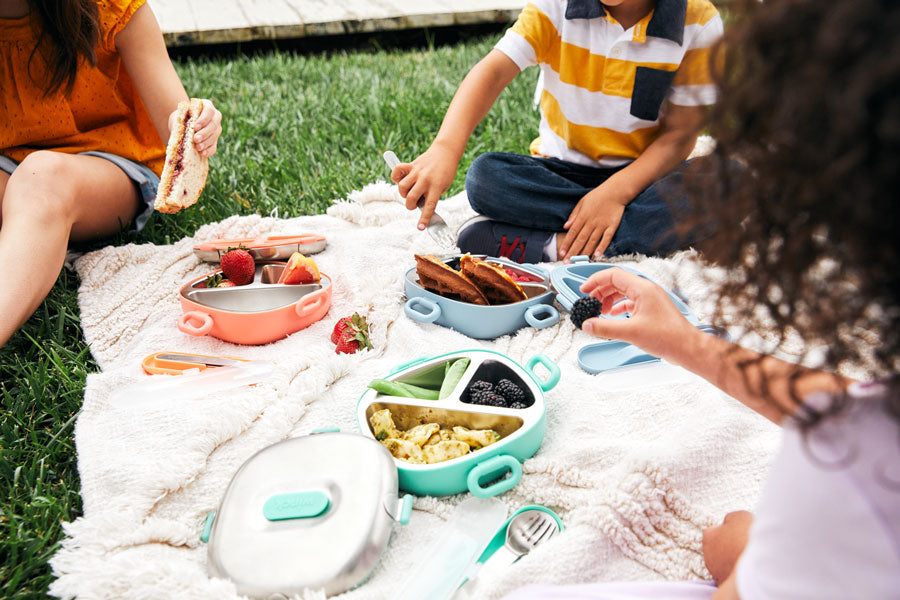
x,y
614,329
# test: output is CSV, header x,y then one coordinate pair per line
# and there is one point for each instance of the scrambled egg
x,y
428,443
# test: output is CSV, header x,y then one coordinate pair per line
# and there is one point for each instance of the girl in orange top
x,y
87,96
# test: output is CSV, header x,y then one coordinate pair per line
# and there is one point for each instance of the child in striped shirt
x,y
624,86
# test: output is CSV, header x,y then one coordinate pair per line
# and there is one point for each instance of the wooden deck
x,y
194,22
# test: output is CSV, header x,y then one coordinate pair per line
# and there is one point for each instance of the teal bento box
x,y
485,472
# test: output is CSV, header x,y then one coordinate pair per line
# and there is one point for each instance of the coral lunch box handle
x,y
309,304
186,323
492,468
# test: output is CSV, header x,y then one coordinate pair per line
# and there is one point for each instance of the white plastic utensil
x,y
527,530
192,384
437,228
447,561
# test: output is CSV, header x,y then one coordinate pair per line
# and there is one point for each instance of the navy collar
x,y
667,21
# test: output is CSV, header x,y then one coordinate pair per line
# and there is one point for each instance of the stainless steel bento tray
x,y
521,430
484,321
263,294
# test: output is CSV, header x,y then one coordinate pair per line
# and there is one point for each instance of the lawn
x,y
299,132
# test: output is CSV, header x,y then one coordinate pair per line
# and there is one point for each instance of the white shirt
x,y
828,522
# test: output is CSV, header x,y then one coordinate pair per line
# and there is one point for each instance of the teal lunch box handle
x,y
433,314
490,467
296,505
406,505
207,526
533,318
543,359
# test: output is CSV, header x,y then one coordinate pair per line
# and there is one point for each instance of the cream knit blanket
x,y
634,472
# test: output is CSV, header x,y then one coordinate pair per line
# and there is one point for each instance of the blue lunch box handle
x,y
532,316
433,314
492,466
552,380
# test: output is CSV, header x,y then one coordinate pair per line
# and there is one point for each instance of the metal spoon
x,y
436,227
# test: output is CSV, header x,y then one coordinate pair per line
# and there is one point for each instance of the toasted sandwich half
x,y
184,173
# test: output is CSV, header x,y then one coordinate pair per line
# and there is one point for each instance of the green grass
x,y
299,132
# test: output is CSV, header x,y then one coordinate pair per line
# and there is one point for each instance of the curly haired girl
x,y
811,105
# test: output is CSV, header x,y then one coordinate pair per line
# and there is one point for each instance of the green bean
x,y
454,374
429,377
403,390
418,392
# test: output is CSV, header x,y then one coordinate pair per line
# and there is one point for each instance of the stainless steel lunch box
x,y
492,469
478,321
310,512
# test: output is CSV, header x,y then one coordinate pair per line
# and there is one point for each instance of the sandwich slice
x,y
184,173
495,283
436,276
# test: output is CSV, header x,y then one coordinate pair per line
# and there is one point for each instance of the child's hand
x,y
656,325
425,179
723,544
594,221
207,129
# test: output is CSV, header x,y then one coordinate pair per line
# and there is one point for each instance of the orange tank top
x,y
103,112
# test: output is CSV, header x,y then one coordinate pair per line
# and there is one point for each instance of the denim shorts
x,y
145,180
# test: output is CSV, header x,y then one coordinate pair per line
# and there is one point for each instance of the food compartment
x,y
427,435
246,299
435,381
496,385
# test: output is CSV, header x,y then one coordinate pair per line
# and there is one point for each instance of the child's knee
x,y
41,185
481,181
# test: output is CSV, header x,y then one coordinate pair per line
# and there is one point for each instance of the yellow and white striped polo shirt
x,y
604,86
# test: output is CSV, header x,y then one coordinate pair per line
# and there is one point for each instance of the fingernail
x,y
588,326
421,226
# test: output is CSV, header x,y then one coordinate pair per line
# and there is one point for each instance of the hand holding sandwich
x,y
207,129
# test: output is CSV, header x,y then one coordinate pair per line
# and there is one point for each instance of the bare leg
x,y
51,198
4,177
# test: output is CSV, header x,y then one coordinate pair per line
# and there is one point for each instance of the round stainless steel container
x,y
310,512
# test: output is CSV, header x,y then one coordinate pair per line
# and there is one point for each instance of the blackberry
x,y
510,391
518,405
487,398
584,308
480,385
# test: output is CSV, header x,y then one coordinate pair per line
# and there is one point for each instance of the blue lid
x,y
568,278
603,356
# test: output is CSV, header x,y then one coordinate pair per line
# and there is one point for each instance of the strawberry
x,y
226,283
238,266
339,328
350,334
210,282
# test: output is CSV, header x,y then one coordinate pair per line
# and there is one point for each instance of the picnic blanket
x,y
635,473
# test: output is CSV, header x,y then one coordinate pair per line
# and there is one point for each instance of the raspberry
x,y
510,391
585,308
487,398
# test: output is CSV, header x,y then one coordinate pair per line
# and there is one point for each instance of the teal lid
x,y
297,505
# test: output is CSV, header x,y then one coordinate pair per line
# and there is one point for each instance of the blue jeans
x,y
540,193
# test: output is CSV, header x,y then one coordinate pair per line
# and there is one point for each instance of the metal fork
x,y
437,228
